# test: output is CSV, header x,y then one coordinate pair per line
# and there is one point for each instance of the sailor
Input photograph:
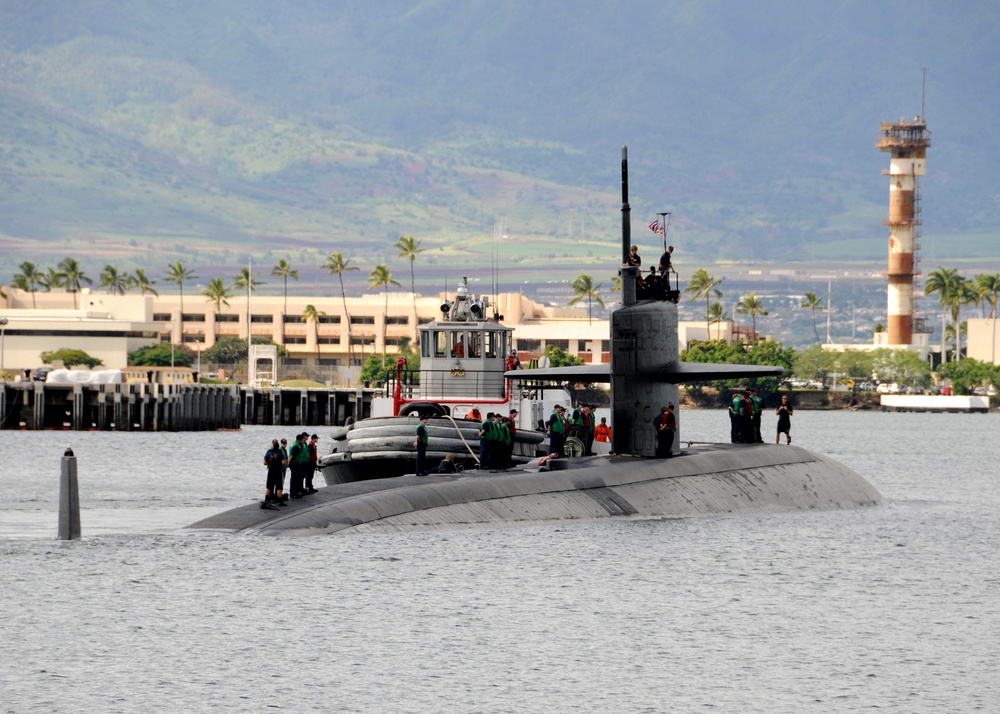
x,y
757,406
746,418
576,425
310,468
633,259
420,443
485,442
590,425
512,362
602,432
298,458
502,443
666,268
784,413
475,414
512,428
735,415
666,427
555,429
274,460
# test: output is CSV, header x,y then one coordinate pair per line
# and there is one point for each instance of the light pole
x,y
3,329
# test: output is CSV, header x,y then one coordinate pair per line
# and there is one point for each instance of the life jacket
x,y
577,419
557,423
487,428
300,453
422,434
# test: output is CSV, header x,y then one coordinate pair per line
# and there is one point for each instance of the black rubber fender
x,y
431,409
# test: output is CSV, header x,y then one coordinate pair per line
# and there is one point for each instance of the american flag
x,y
656,227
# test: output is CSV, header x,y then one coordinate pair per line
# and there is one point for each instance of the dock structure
x,y
173,407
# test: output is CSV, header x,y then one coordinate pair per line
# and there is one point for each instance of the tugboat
x,y
463,358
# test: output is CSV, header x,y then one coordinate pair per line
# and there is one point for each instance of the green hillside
x,y
210,132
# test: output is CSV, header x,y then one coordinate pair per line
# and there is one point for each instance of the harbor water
x,y
894,608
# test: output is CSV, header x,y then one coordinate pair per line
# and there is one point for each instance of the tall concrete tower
x,y
907,143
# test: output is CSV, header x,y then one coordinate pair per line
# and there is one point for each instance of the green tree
x,y
311,314
178,273
380,277
987,287
28,279
616,283
160,354
584,289
750,305
72,277
559,358
70,358
231,350
758,353
284,271
703,285
245,281
52,279
813,362
967,375
946,282
337,265
717,314
813,303
376,369
141,280
217,293
408,248
115,282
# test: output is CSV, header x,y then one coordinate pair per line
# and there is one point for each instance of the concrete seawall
x,y
705,480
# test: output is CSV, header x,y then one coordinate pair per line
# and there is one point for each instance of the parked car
x,y
40,374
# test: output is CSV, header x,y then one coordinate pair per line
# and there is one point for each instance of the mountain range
x,y
145,132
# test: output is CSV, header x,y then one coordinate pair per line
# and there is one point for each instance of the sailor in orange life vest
x,y
602,432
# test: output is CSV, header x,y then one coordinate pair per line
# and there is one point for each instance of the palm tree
x,y
987,288
177,272
116,283
704,285
584,288
337,265
52,279
616,283
408,248
944,282
246,281
717,314
284,271
311,314
750,305
217,293
28,279
141,281
812,302
73,277
381,277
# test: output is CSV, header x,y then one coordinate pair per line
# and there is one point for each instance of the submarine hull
x,y
720,479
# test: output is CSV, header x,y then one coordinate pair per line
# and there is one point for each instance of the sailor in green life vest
x,y
299,461
485,441
556,428
420,443
758,406
503,442
577,420
735,407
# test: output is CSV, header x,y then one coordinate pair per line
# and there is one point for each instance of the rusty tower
x,y
906,142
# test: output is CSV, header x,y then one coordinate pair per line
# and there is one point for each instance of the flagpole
x,y
663,233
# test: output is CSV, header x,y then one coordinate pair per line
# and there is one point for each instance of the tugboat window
x,y
458,344
440,344
475,340
490,346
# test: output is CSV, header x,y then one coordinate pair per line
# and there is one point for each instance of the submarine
x,y
644,374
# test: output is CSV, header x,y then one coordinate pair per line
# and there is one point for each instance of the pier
x,y
173,407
